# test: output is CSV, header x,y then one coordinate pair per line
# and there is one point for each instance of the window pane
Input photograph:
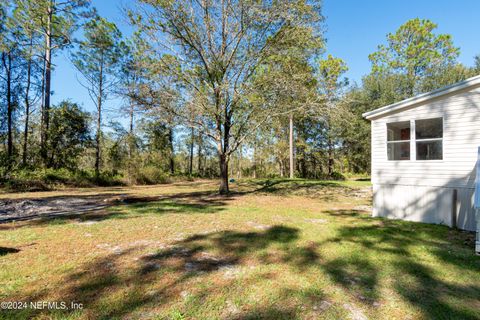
x,y
429,128
429,150
398,131
398,150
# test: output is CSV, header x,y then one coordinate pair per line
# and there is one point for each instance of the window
x,y
398,140
429,139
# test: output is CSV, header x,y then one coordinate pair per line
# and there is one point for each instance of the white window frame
x,y
427,140
399,141
413,140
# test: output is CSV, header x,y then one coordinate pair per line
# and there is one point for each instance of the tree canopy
x,y
215,89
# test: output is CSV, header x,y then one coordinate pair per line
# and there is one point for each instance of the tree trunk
x,y
292,168
7,64
97,142
131,145
200,170
130,132
302,162
223,161
330,157
192,137
239,168
98,135
224,148
224,189
254,161
48,75
42,106
27,107
172,152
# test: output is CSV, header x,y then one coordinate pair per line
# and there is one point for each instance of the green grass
x,y
292,183
275,249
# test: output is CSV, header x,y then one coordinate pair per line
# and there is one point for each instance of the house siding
x,y
423,190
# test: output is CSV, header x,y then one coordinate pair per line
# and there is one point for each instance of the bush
x,y
105,179
357,176
337,176
149,175
47,179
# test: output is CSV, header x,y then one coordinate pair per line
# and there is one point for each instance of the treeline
x,y
208,89
44,143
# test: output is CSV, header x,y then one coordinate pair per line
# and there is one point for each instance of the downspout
x,y
453,223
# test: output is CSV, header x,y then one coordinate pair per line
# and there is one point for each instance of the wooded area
x,y
209,89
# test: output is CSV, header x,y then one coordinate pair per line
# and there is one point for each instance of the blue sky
x,y
354,29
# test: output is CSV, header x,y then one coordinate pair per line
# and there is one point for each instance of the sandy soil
x,y
23,209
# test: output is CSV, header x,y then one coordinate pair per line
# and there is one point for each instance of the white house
x,y
424,154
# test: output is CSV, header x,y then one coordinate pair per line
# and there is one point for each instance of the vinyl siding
x,y
422,190
425,204
461,138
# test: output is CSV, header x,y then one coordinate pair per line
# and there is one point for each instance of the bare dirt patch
x,y
18,209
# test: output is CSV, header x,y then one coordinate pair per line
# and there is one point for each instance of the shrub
x,y
150,175
337,176
105,179
47,179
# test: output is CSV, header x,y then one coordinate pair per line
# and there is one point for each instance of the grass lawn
x,y
274,249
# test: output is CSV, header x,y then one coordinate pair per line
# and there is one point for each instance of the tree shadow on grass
x,y
122,284
268,313
120,206
127,207
343,213
312,188
402,248
4,251
127,283
179,206
355,274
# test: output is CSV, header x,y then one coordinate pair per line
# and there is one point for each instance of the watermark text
x,y
40,305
